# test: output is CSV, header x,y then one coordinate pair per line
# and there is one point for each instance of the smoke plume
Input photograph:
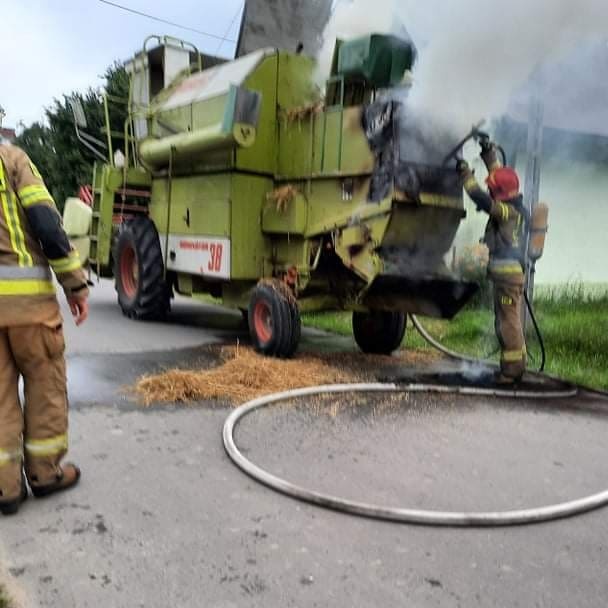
x,y
480,52
472,55
353,19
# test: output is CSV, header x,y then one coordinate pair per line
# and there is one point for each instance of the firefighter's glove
x,y
485,143
462,166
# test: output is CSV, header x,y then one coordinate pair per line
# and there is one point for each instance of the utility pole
x,y
2,115
536,115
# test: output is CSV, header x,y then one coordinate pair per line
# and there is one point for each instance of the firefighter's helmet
x,y
503,183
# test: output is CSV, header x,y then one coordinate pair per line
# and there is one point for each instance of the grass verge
x,y
573,320
5,601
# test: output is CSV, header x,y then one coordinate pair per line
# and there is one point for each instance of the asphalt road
x,y
163,518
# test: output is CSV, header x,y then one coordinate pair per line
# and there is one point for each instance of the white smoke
x,y
350,20
478,52
481,52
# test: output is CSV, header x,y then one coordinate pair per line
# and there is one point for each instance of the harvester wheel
x,y
274,319
379,332
143,292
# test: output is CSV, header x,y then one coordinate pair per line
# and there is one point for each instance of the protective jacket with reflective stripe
x,y
32,242
506,228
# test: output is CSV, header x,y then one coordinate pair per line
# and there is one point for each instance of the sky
x,y
52,47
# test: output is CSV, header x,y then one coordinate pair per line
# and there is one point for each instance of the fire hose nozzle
x,y
475,133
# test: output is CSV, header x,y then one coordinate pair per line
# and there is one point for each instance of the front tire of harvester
x,y
274,320
143,292
379,332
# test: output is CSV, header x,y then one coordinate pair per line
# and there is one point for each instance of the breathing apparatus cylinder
x,y
539,224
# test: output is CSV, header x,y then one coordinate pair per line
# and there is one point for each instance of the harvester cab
x,y
242,180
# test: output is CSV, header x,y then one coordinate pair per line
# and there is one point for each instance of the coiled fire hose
x,y
399,514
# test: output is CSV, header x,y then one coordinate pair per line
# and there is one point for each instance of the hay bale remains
x,y
242,375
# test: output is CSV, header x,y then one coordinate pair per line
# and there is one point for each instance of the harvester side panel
x,y
357,158
199,205
331,207
215,219
296,88
262,156
300,146
251,251
326,143
194,224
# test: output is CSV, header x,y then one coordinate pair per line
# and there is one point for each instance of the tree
x,y
63,161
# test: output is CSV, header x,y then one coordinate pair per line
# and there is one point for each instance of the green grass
x,y
4,599
573,319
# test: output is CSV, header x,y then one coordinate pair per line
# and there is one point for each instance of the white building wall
x,y
577,242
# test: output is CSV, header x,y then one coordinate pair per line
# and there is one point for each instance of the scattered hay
x,y
301,113
282,197
243,375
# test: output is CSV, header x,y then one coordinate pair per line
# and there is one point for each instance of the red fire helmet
x,y
503,183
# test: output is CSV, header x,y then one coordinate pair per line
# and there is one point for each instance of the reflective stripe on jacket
x,y
32,245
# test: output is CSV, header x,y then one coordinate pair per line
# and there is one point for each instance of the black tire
x,y
274,320
143,292
379,332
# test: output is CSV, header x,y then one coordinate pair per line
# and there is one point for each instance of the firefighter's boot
x,y
67,477
11,506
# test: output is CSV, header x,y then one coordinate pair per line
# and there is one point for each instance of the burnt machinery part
x,y
143,292
379,332
274,319
395,514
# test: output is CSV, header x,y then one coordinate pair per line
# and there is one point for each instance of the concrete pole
x,y
283,24
533,170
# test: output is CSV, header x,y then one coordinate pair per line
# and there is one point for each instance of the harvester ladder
x,y
95,222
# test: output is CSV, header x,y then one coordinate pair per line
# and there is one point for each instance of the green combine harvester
x,y
240,180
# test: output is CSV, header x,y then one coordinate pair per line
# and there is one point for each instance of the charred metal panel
x,y
409,154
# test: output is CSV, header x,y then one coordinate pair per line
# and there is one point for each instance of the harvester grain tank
x,y
241,181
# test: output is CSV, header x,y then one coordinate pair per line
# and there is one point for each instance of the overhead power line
x,y
238,12
161,20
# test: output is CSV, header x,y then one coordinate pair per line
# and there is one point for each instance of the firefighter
x,y
505,238
32,242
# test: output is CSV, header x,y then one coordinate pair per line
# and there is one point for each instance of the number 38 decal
x,y
216,250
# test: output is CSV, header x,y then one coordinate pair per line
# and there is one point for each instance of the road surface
x,y
163,518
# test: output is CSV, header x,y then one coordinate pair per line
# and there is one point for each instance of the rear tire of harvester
x,y
143,292
379,332
274,320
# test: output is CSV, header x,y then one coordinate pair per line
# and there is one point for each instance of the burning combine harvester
x,y
239,181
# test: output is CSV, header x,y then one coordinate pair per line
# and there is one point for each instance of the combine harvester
x,y
241,181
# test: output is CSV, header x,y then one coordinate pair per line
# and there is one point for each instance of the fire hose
x,y
399,514
455,355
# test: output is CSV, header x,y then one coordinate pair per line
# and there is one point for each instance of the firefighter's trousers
x,y
508,298
36,435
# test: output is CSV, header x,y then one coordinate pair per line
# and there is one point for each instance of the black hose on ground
x,y
539,334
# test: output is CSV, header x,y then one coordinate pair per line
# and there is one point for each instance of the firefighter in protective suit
x,y
505,237
32,242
